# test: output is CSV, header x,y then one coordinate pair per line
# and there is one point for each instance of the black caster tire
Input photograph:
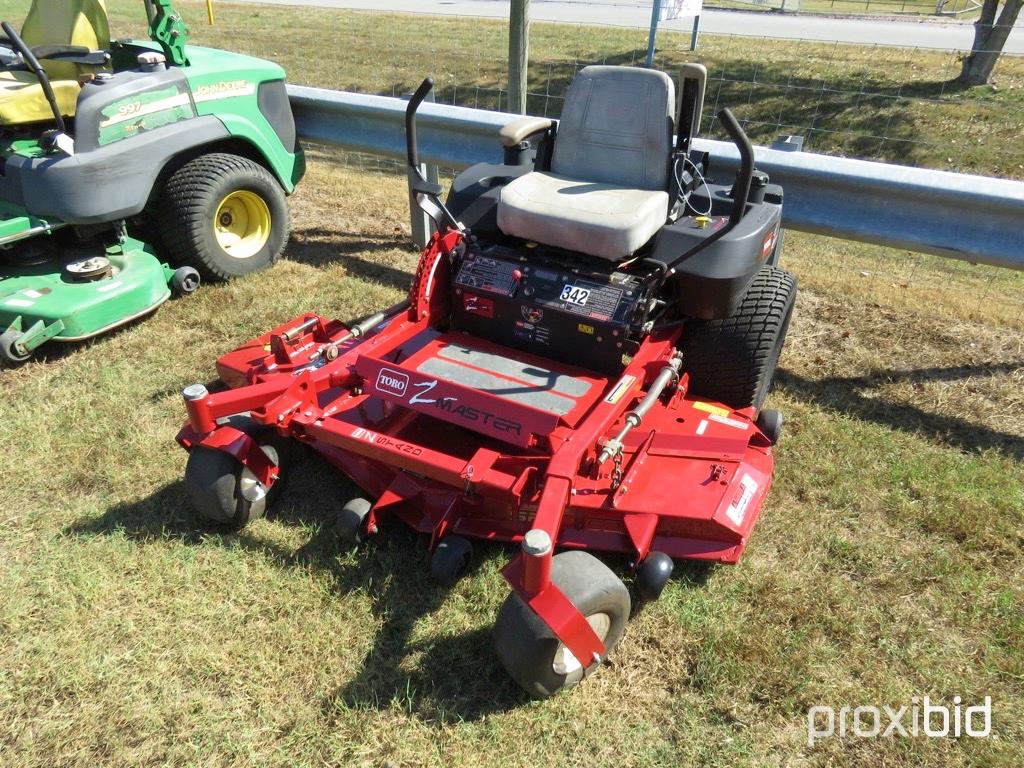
x,y
652,575
218,485
770,422
451,560
350,523
184,281
223,215
9,353
527,648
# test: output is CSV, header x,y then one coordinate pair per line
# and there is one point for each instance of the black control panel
x,y
540,305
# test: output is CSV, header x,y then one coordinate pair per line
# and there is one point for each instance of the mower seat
x,y
606,194
53,23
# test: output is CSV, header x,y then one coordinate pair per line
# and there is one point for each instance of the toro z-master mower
x,y
580,366
100,140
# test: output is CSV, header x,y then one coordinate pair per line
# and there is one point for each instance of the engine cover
x,y
547,307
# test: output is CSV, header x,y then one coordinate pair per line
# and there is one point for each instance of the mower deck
x,y
440,413
62,307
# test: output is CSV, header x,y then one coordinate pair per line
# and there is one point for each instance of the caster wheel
x,y
450,560
222,490
530,652
10,352
184,281
770,423
350,524
653,574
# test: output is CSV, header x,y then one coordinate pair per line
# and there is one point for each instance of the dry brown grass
x,y
886,566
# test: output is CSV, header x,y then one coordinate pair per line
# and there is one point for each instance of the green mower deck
x,y
80,294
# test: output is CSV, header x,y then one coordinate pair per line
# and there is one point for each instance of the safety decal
x,y
709,408
621,388
734,423
738,509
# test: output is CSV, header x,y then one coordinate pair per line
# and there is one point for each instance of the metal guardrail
x,y
972,218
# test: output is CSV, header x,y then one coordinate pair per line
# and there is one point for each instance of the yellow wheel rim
x,y
242,224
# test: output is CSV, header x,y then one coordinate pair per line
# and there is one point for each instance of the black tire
x,y
733,360
770,422
526,646
188,215
214,479
8,354
350,523
451,559
652,575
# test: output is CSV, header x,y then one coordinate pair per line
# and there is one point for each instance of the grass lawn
x,y
887,563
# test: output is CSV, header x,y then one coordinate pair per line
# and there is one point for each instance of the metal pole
x,y
518,54
655,15
696,32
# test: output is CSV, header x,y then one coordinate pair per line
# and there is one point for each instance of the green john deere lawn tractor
x,y
130,170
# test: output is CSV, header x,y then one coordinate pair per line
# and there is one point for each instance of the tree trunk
x,y
989,38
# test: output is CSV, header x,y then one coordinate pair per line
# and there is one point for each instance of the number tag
x,y
574,295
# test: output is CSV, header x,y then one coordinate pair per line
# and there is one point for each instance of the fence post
x,y
655,15
518,54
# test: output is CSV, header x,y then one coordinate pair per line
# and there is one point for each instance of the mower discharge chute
x,y
106,145
580,366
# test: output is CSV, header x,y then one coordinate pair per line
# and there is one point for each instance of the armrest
x,y
76,54
522,128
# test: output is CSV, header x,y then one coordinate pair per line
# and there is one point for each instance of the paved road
x,y
927,33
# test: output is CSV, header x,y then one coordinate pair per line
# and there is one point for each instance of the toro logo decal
x,y
392,382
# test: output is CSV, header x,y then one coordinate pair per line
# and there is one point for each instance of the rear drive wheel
x,y
223,215
9,352
733,359
528,649
222,490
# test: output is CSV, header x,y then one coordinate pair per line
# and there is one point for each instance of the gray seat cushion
x,y
597,219
606,194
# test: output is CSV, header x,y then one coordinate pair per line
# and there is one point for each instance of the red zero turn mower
x,y
583,373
